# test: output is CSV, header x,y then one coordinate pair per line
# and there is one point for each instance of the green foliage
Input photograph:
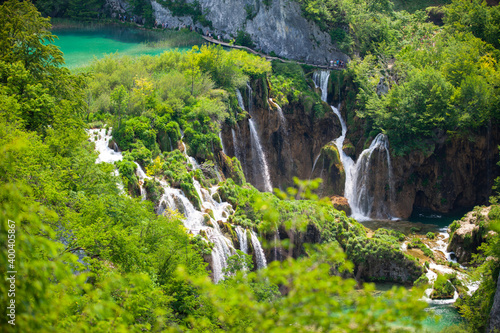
x,y
289,85
422,281
418,244
390,236
442,288
316,300
238,262
430,235
244,39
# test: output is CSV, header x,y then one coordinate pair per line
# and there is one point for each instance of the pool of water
x,y
440,315
81,46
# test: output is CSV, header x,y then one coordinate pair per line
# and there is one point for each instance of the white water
x,y
236,146
358,174
259,253
259,165
222,143
320,79
314,165
242,237
357,192
280,113
139,172
260,168
101,139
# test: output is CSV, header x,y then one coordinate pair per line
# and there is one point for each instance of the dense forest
x,y
93,254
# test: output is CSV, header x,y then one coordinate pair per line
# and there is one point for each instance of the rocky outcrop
x,y
279,27
494,324
468,234
452,173
341,203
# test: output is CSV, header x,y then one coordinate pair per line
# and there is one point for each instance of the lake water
x,y
81,46
447,314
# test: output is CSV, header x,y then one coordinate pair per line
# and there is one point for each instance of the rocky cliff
x,y
278,27
290,145
468,233
451,174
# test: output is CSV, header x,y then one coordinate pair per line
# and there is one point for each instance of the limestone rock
x,y
278,28
341,203
470,234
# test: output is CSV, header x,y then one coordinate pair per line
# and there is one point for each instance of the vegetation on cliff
x,y
91,258
442,80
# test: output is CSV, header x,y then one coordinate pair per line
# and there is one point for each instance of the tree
x,y
119,97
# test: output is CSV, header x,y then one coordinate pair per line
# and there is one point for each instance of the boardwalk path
x,y
267,57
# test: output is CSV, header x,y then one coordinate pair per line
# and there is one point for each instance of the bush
x,y
430,235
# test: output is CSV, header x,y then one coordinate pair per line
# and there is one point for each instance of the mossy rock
x,y
232,169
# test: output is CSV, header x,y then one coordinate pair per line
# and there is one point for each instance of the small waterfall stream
x,y
259,253
222,143
242,238
260,167
139,172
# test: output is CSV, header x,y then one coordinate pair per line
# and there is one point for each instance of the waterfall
x,y
260,166
242,237
240,100
280,113
222,143
236,147
250,97
320,79
314,165
259,253
276,244
360,191
101,138
139,172
359,178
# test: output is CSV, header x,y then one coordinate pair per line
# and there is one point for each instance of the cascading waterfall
x,y
358,176
236,146
101,138
242,238
139,172
194,220
320,79
259,253
261,167
222,143
359,193
280,113
314,165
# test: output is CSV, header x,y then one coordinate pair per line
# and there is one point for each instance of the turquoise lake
x,y
82,46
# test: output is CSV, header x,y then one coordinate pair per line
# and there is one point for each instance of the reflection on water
x,y
81,46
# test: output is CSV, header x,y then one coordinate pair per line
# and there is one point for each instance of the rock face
x,y
290,146
278,28
452,174
495,311
341,203
469,235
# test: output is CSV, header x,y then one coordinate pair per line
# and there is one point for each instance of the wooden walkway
x,y
267,57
